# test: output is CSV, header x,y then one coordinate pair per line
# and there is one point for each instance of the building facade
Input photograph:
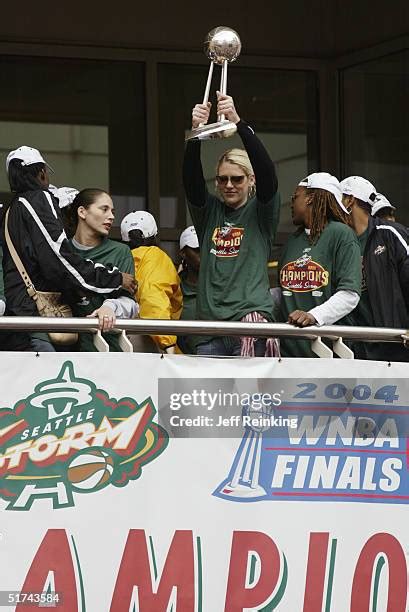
x,y
106,92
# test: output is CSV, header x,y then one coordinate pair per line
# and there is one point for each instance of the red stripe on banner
x,y
16,429
107,402
19,409
338,450
307,407
316,568
329,494
407,453
363,588
7,493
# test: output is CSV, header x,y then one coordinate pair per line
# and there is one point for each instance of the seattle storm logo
x,y
70,437
227,241
303,275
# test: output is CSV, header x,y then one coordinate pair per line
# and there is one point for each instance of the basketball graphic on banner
x,y
90,470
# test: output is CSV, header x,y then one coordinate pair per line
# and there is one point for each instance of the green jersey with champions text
x,y
235,246
108,252
311,273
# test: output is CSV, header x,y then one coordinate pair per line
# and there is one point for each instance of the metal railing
x,y
335,333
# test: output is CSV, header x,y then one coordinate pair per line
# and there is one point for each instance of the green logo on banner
x,y
69,437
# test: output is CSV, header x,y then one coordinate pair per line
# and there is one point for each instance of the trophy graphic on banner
x,y
222,46
244,480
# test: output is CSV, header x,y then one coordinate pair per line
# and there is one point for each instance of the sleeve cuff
x,y
111,304
242,126
315,313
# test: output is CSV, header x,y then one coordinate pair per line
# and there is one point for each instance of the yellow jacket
x,y
159,295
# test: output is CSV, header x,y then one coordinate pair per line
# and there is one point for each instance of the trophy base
x,y
242,491
221,129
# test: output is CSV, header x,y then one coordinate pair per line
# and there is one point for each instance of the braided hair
x,y
324,207
24,178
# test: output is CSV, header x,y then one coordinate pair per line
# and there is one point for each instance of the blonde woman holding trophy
x,y
236,230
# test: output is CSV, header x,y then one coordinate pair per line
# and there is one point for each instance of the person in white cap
x,y
320,266
158,285
190,255
236,230
384,247
382,208
189,276
37,233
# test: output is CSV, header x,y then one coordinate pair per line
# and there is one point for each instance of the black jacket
x,y
386,269
37,232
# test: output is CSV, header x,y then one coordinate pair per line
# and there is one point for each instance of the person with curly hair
x,y
320,266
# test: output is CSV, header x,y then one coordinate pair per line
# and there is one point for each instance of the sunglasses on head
x,y
235,180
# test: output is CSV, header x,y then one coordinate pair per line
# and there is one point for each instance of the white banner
x,y
141,483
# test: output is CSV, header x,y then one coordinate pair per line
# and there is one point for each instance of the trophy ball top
x,y
222,44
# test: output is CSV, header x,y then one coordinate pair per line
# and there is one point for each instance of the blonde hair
x,y
238,157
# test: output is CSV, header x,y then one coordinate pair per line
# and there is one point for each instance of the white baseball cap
x,y
138,220
324,180
360,188
27,156
189,238
379,203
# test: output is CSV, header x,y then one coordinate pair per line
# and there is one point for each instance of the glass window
x,y
86,117
375,126
77,153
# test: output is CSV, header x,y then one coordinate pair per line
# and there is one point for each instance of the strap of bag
x,y
31,290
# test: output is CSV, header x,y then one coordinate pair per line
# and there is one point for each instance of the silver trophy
x,y
222,46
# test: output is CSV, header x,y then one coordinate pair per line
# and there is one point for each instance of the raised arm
x,y
264,170
193,179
